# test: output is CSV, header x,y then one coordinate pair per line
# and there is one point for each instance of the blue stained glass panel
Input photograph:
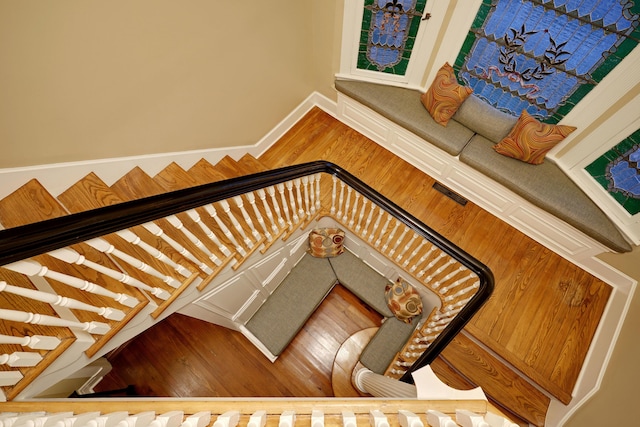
x,y
538,54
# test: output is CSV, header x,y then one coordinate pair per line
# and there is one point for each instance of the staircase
x,y
62,307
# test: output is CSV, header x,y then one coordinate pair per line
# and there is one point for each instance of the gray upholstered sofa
x,y
285,312
470,135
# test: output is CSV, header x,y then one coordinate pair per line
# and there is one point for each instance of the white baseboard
x,y
57,177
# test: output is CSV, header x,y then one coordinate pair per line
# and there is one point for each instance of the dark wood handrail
x,y
29,240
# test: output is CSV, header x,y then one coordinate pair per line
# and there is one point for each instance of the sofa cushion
x,y
403,107
547,187
362,280
530,139
484,119
385,344
285,312
445,95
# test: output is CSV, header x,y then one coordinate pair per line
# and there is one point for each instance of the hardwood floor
x,y
540,319
186,357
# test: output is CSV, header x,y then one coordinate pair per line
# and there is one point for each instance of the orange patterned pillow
x,y
326,242
445,95
530,140
403,300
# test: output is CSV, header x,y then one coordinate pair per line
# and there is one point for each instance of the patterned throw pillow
x,y
326,242
530,140
445,95
403,300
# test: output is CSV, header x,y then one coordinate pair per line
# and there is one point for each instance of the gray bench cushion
x,y
545,186
285,312
484,119
362,280
403,107
390,338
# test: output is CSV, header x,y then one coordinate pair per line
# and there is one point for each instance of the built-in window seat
x,y
468,138
285,312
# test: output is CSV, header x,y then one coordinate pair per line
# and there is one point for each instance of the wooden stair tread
x,y
204,172
28,204
497,380
136,184
250,164
173,177
228,168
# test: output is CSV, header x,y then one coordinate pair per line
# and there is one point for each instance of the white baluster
x,y
312,194
168,419
405,230
398,371
442,321
97,328
378,419
434,329
10,378
285,204
49,420
247,219
318,203
317,418
107,248
60,301
340,200
384,230
257,419
267,210
72,257
294,212
349,419
430,265
391,235
226,208
376,225
422,259
135,240
20,359
307,197
347,204
80,420
252,201
211,210
297,183
111,419
361,216
276,207
141,419
409,419
227,419
410,355
406,247
193,214
199,419
36,342
287,419
354,210
334,191
154,229
458,282
418,347
414,253
367,223
462,292
178,225
458,304
33,268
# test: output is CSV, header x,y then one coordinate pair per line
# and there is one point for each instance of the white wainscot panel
x,y
363,119
420,153
556,236
272,270
232,296
478,189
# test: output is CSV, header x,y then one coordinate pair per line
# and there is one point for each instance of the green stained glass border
x,y
598,170
399,69
608,64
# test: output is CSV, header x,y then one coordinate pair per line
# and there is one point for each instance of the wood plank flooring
x,y
186,357
531,321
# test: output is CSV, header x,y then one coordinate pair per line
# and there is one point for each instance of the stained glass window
x,y
618,172
545,55
388,34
